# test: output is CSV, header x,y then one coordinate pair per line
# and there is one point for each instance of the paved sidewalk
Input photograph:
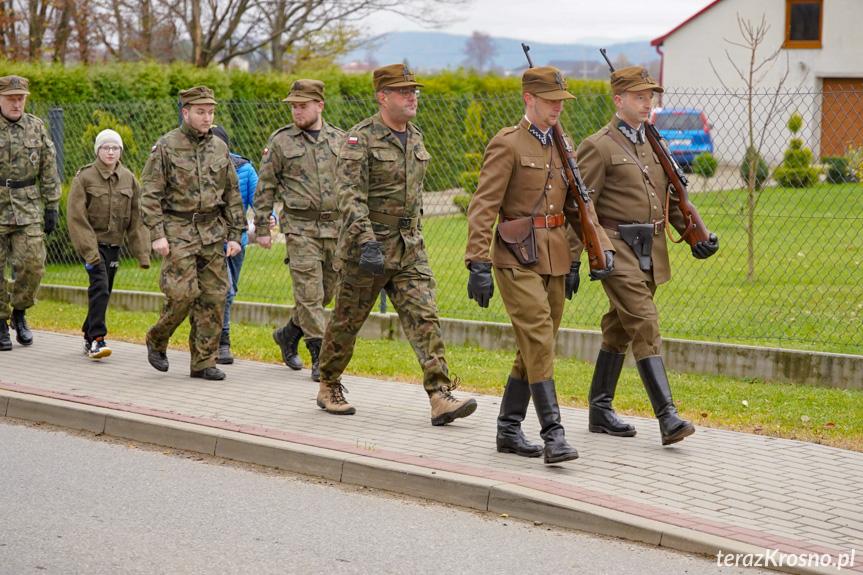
x,y
717,490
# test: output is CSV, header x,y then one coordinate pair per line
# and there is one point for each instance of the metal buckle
x,y
547,225
658,227
7,182
405,223
325,216
195,217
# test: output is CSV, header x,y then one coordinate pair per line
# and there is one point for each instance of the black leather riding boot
x,y
601,416
545,401
513,408
673,428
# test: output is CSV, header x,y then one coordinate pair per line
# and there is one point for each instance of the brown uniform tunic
x,y
514,177
624,194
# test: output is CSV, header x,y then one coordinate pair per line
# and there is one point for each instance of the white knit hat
x,y
106,136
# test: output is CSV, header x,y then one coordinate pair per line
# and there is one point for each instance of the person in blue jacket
x,y
248,180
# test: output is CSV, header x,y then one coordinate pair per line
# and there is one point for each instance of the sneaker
x,y
331,399
87,344
99,349
446,408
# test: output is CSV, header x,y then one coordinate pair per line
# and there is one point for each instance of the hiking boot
x,y
5,340
331,398
314,346
288,338
446,408
158,359
22,330
98,348
211,373
225,357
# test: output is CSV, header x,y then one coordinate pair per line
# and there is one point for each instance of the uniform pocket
x,y
98,207
537,162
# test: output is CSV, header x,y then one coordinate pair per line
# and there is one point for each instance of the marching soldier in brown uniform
x,y
379,186
29,195
522,177
299,168
631,191
190,201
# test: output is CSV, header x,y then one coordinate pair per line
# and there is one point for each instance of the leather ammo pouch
x,y
520,237
639,237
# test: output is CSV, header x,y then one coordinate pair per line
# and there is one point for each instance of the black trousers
x,y
101,284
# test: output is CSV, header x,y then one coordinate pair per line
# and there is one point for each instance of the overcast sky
x,y
559,21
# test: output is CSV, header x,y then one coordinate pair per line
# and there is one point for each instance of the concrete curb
x,y
437,485
836,370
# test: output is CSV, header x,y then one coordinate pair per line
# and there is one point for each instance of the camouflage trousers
x,y
194,279
22,248
314,279
412,292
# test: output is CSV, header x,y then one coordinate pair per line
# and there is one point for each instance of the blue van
x,y
686,130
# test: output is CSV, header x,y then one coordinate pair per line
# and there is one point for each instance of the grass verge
x,y
806,413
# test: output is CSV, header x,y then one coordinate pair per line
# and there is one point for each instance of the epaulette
x,y
508,130
82,168
336,129
282,129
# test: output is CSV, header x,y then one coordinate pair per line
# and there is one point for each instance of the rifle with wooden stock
x,y
590,237
696,230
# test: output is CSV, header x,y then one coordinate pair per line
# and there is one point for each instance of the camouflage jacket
x,y
26,152
301,173
187,172
102,207
375,173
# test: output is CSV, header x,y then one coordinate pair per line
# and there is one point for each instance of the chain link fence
x,y
788,272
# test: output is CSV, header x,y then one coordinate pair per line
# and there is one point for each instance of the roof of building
x,y
661,39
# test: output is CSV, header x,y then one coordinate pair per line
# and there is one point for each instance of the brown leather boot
x,y
331,398
446,408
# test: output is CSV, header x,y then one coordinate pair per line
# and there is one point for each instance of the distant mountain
x,y
437,51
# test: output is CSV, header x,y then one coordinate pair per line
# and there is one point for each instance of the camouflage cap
x,y
633,79
197,95
306,91
11,85
395,76
546,82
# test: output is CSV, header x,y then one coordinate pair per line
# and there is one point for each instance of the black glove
x,y
572,280
609,267
480,286
372,259
51,218
703,250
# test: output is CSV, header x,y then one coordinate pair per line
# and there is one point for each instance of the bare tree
x,y
622,61
481,50
753,73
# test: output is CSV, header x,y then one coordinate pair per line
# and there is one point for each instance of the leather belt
x,y
10,183
658,226
393,221
549,221
194,217
314,215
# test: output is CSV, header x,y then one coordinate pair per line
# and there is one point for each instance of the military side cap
x,y
633,79
546,82
11,85
306,91
395,76
197,95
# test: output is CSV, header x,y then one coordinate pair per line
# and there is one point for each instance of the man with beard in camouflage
x,y
29,188
190,201
379,186
299,168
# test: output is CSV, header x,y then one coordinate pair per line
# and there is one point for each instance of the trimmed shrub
x,y
762,172
705,165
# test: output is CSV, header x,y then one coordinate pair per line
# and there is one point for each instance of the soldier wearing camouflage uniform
x,y
299,168
379,187
29,188
190,202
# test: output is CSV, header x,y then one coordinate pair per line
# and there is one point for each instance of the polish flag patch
x,y
353,140
153,149
266,150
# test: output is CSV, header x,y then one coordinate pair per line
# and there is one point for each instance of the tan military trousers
x,y
194,279
412,292
22,247
633,317
535,305
313,279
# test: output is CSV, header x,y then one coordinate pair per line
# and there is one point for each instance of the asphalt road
x,y
73,503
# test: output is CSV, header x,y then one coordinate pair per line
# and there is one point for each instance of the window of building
x,y
803,23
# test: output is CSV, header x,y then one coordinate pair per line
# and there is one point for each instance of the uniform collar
x,y
634,135
5,122
192,133
103,169
544,138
